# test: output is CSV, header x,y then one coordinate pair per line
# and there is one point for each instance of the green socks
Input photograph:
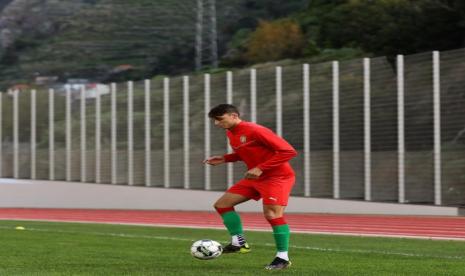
x,y
281,231
281,234
231,220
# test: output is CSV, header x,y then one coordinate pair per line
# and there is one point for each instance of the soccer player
x,y
269,177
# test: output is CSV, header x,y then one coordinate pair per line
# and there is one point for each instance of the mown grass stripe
x,y
338,250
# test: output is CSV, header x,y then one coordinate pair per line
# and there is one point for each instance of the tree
x,y
386,27
275,40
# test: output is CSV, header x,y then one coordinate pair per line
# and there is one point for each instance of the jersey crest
x,y
243,139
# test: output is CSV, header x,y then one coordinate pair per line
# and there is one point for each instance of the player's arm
x,y
214,160
282,149
231,157
217,160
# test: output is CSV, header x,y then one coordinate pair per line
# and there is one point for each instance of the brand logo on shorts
x,y
272,198
243,139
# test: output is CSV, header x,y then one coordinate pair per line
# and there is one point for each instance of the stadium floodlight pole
x,y
207,130
306,94
130,130
98,142
33,134
336,150
400,128
1,134
51,134
186,131
114,156
367,126
198,36
229,100
279,101
15,135
253,95
166,131
437,129
83,134
68,133
148,150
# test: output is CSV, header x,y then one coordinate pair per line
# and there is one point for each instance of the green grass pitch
x,y
45,248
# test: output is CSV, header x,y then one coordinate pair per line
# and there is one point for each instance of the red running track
x,y
361,225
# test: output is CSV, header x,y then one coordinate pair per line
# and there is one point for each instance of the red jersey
x,y
259,147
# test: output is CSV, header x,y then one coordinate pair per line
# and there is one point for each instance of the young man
x,y
269,177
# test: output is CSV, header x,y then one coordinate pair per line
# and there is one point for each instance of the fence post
x,y
15,135
306,92
253,95
68,133
437,129
130,133
114,155
186,123
166,131
148,149
367,126
51,134
83,134
279,101
229,100
33,134
336,150
207,129
1,134
400,127
98,140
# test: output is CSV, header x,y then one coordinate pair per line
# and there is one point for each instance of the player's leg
x,y
231,219
238,193
281,233
275,193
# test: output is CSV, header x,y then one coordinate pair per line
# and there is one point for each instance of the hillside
x,y
88,38
116,40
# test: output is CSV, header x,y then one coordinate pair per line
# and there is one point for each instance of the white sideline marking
x,y
122,235
250,228
371,252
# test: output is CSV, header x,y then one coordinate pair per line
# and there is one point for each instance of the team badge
x,y
243,139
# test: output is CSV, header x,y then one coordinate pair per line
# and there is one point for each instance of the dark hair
x,y
222,109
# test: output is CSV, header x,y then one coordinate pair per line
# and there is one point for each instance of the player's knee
x,y
219,204
270,214
222,208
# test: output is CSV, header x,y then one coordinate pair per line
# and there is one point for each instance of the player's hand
x,y
253,173
214,160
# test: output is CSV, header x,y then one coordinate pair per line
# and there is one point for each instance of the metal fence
x,y
369,129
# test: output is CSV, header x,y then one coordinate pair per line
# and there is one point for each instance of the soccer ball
x,y
206,249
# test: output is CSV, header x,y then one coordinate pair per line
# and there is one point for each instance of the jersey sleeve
x,y
282,149
231,157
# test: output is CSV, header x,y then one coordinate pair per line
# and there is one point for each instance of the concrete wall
x,y
48,194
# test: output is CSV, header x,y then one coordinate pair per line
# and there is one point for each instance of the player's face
x,y
227,121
